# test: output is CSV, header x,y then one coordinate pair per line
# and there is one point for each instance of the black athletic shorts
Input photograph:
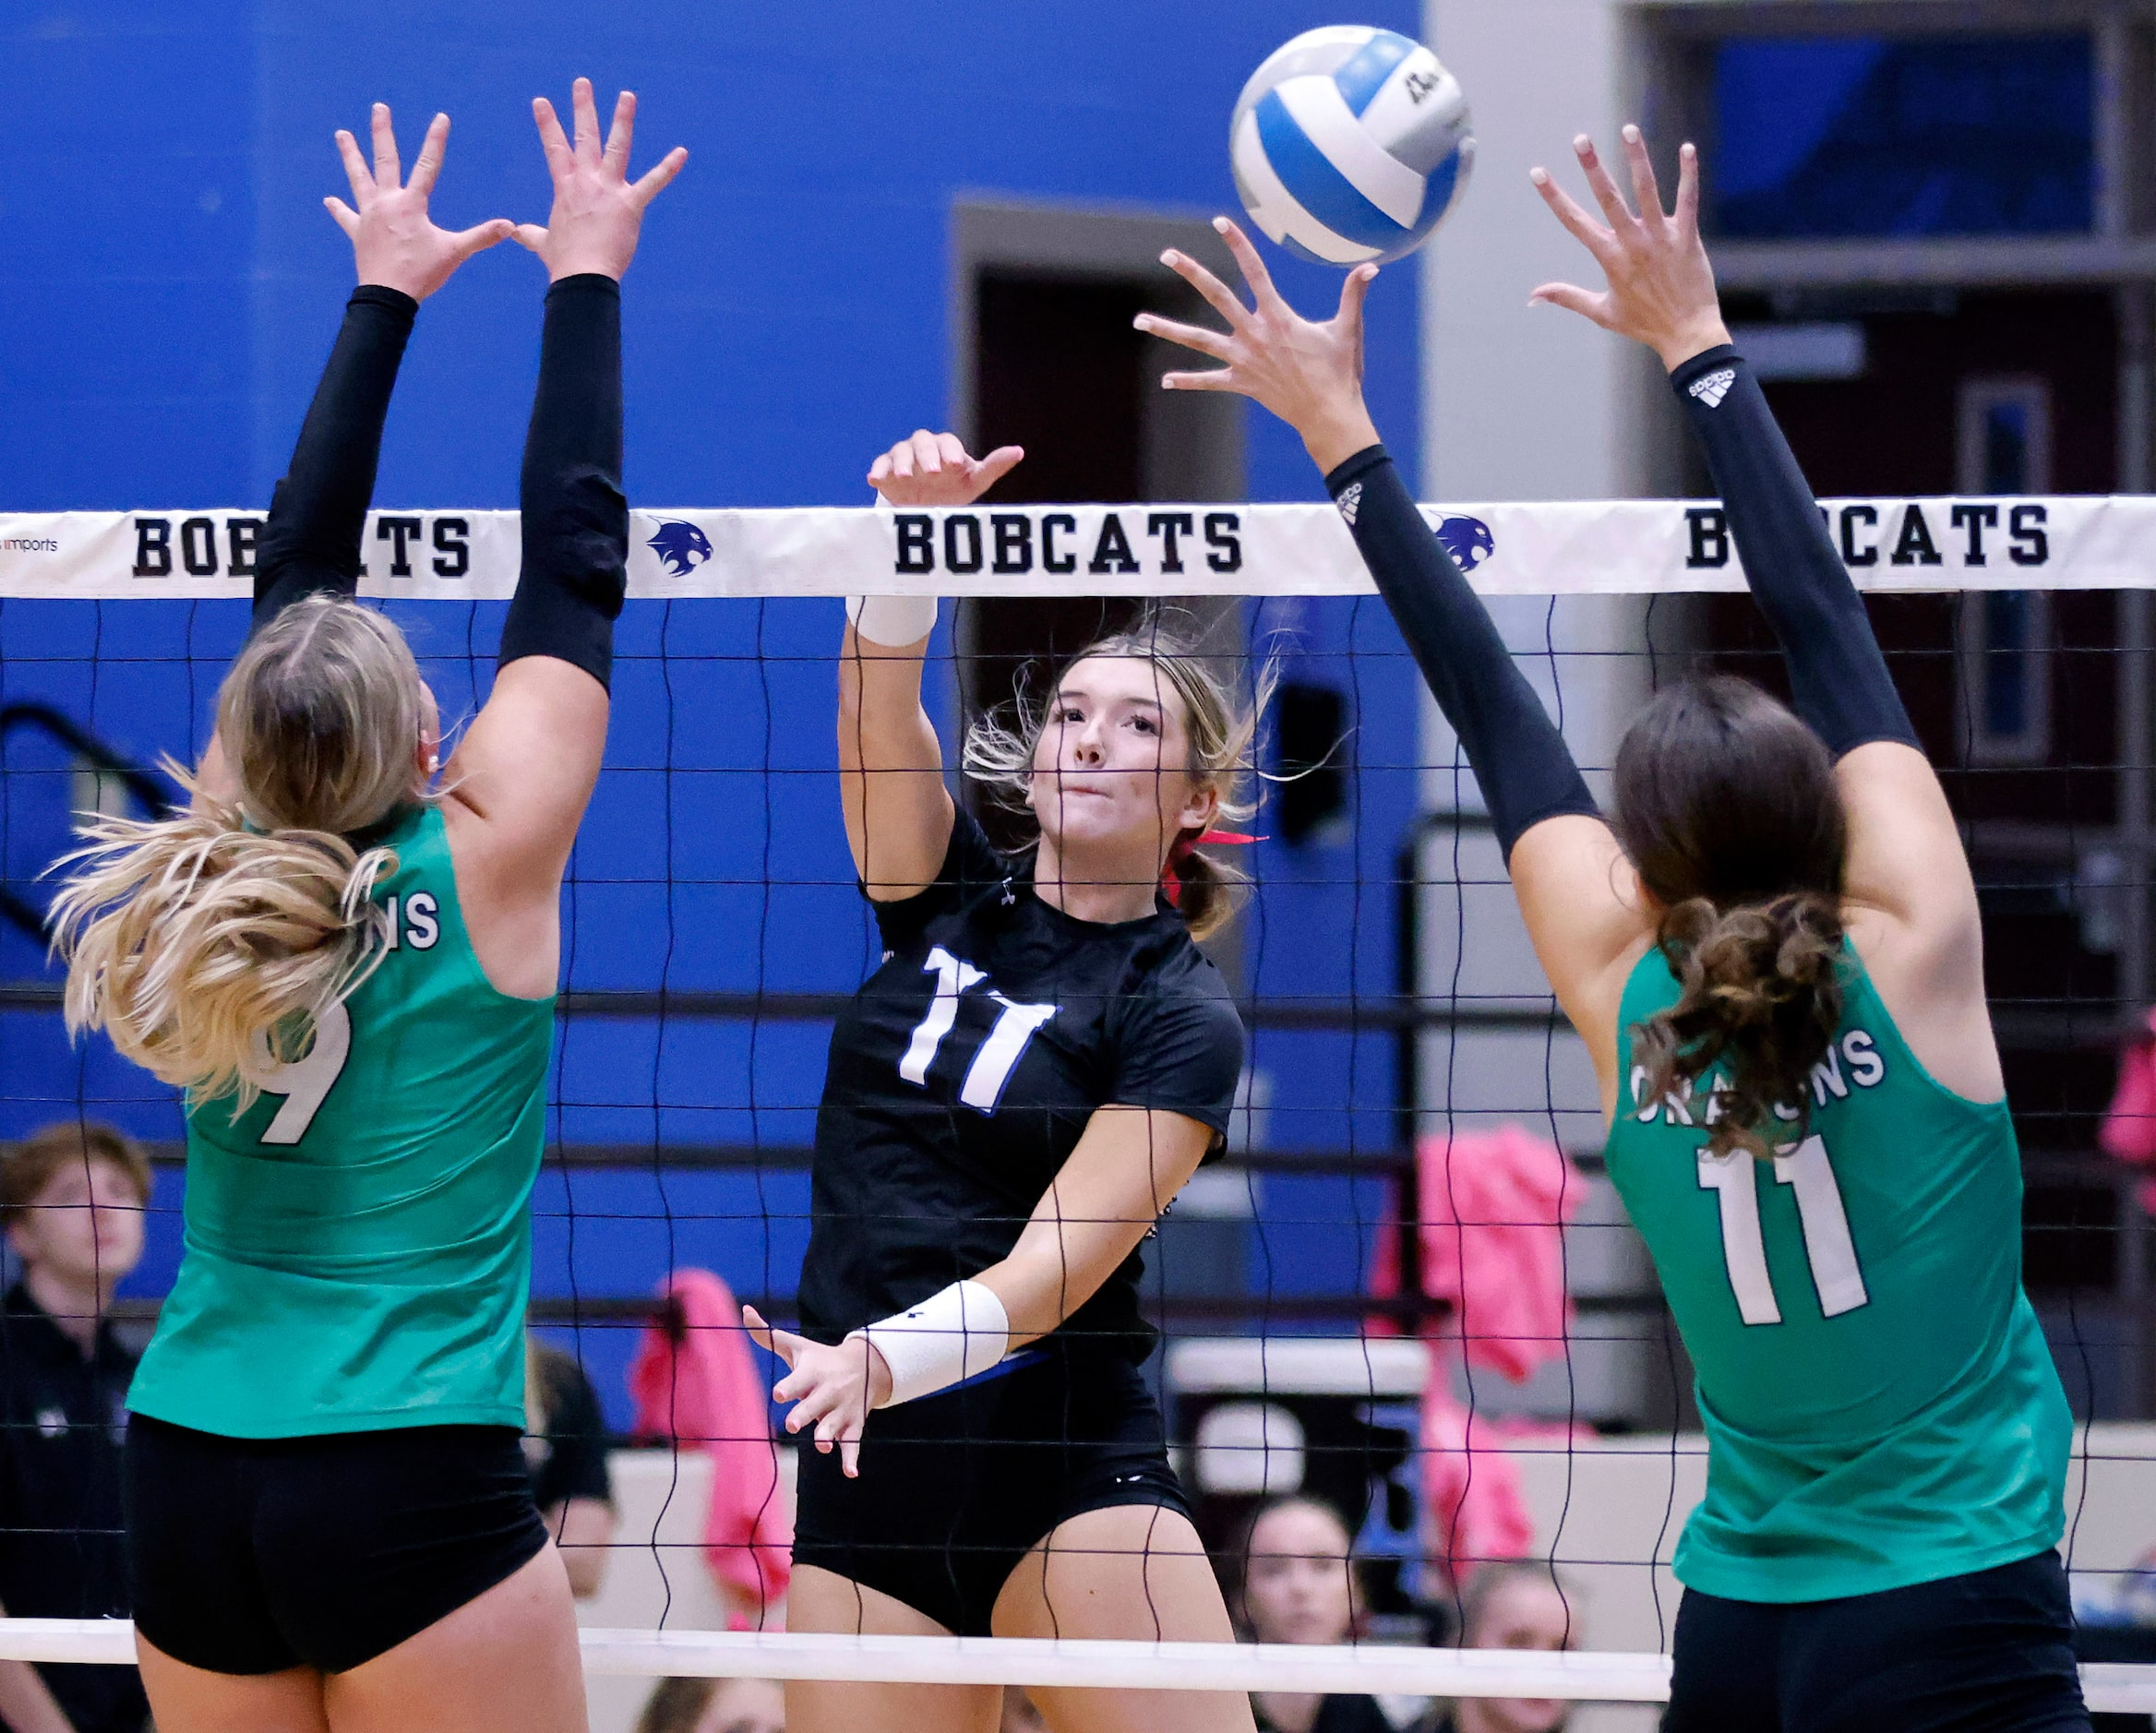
x,y
1991,1652
252,1555
956,1487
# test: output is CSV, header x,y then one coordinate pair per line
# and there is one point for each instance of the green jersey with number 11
x,y
358,1241
1879,1403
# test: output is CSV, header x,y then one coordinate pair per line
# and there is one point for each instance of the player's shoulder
x,y
1169,969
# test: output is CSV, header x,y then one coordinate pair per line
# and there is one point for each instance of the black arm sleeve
x,y
1837,677
575,518
1520,760
318,512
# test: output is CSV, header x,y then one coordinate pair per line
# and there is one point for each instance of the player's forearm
x,y
318,512
1055,1267
1127,1168
1520,760
1837,677
26,1705
575,516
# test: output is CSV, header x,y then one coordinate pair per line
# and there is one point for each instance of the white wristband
x,y
891,621
951,1336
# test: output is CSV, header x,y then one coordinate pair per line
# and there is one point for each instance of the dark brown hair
x,y
31,1164
1728,808
1234,1566
677,1706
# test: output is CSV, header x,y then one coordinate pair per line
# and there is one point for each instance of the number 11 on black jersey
x,y
997,1056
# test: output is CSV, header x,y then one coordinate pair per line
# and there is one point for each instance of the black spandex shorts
x,y
252,1556
1987,1652
955,1488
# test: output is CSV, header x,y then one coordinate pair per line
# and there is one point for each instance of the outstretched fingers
x,y
388,171
356,169
1615,211
1646,191
1688,188
998,464
655,180
587,119
1218,294
479,237
621,133
1218,344
428,168
1354,294
347,218
1569,212
1209,379
1247,261
560,159
783,1343
1586,303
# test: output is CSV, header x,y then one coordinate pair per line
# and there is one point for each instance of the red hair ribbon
x,y
1171,887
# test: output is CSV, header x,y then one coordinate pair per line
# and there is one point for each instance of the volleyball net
x,y
1472,1370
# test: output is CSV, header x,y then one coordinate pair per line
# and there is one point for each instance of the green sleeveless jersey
x,y
1879,1403
358,1249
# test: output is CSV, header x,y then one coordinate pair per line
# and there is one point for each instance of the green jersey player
x,y
1772,951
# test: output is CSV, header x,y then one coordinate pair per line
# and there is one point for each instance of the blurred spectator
x,y
1512,1604
1021,1714
565,1442
714,1705
1295,1583
71,1198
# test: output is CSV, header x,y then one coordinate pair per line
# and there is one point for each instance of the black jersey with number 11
x,y
965,1070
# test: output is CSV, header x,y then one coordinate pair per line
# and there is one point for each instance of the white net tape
x,y
1539,549
1567,547
1373,1669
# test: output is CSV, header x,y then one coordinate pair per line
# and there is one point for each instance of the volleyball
x,y
1350,143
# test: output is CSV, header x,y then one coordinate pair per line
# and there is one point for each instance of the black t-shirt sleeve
x,y
576,1432
969,862
1180,1048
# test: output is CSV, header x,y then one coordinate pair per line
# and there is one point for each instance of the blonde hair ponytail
x,y
197,940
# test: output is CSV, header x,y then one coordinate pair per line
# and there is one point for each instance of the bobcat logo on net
x,y
681,547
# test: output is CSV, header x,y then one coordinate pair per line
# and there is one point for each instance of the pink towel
x,y
696,1384
1472,1500
2130,1127
1494,1206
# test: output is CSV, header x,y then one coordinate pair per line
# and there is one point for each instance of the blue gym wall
x,y
169,285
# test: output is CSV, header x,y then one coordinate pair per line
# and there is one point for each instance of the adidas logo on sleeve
x,y
1349,500
1711,388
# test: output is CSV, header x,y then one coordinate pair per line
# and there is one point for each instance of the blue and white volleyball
x,y
1349,144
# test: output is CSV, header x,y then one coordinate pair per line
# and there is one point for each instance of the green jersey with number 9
x,y
1880,1405
358,1241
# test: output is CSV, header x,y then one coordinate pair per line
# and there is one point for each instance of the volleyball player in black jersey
x,y
1042,1061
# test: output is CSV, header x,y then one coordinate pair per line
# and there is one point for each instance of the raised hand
x,y
934,470
598,211
393,240
1309,375
834,1387
1661,287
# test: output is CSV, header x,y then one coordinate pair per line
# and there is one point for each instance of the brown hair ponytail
x,y
1728,808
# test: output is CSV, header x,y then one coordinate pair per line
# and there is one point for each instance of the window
x,y
2005,448
1889,137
